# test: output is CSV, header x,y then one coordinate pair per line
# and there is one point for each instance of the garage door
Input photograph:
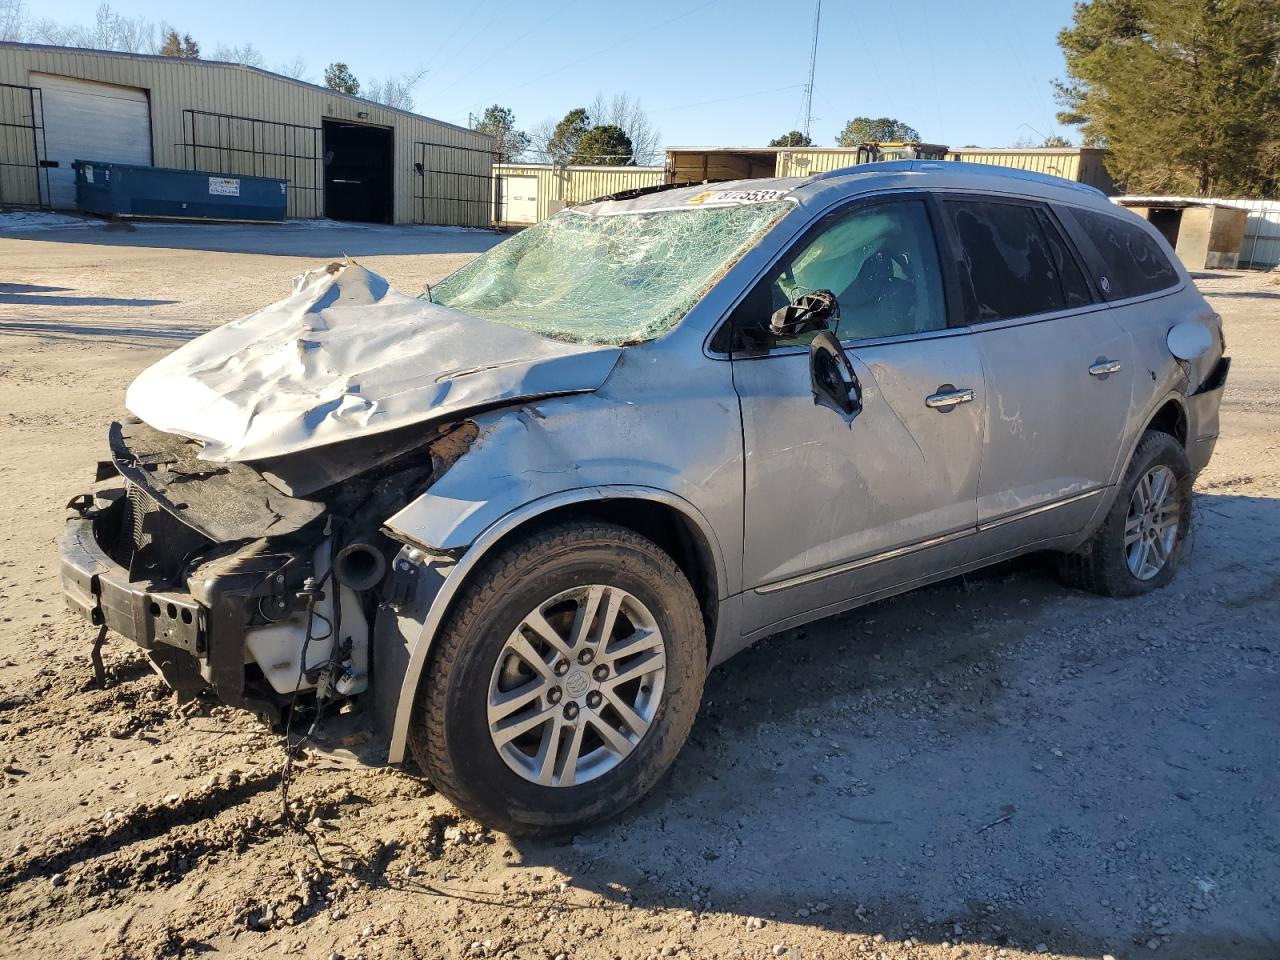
x,y
85,120
519,199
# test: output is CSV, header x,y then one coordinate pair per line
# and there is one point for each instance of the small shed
x,y
525,193
1205,235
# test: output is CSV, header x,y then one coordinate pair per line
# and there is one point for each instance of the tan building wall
x,y
1081,164
454,187
560,187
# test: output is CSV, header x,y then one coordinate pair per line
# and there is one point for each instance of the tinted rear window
x,y
1132,262
1006,256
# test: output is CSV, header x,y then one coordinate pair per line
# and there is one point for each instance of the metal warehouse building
x,y
530,192
343,157
1082,164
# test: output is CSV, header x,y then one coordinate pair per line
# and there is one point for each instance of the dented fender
x,y
581,447
404,641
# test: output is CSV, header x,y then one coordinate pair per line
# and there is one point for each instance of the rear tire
x,y
597,734
1142,540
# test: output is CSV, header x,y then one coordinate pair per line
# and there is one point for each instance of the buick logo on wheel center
x,y
576,683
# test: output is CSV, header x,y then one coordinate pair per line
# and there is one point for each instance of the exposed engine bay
x,y
252,582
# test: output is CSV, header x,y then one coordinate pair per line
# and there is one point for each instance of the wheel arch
x,y
1167,415
663,517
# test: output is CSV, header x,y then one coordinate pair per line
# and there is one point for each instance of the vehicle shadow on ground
x,y
318,240
79,331
1245,294
34,295
990,761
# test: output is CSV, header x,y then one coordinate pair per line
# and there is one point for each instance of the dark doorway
x,y
1168,220
357,172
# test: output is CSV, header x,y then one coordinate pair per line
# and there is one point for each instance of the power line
x,y
599,53
739,96
538,24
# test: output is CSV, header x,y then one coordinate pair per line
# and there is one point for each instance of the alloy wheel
x,y
1151,526
576,685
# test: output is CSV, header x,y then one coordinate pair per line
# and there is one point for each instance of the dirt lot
x,y
992,768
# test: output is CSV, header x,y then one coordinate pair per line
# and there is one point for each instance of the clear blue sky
x,y
708,71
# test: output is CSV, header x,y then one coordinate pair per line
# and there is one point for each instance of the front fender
x,y
690,458
403,637
681,449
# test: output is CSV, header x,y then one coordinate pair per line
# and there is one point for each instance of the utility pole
x,y
813,62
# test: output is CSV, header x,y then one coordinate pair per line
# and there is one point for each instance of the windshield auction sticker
x,y
737,196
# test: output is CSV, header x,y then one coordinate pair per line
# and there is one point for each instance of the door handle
x,y
1104,367
948,398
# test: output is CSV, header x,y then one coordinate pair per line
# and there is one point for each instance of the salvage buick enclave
x,y
520,515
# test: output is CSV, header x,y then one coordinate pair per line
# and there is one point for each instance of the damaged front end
x,y
252,582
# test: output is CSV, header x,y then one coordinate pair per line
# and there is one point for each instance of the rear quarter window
x,y
1132,263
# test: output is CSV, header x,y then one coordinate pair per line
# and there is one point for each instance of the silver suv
x,y
519,517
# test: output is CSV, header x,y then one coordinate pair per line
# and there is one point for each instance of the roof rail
x,y
958,166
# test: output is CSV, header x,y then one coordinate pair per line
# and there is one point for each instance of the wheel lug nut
x,y
562,667
593,699
570,710
554,694
601,672
585,656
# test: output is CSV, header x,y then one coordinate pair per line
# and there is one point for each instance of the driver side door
x,y
839,509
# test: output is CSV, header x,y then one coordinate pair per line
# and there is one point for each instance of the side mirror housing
x,y
831,375
811,311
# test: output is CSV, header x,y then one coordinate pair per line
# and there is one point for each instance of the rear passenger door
x,y
1059,371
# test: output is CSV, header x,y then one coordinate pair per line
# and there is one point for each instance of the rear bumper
x,y
1202,414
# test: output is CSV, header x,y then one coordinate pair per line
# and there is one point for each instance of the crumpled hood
x,y
346,356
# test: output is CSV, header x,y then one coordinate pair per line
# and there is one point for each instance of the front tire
x,y
1142,540
564,681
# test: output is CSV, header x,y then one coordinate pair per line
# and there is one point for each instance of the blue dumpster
x,y
126,190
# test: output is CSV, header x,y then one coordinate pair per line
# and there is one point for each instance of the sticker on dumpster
x,y
224,187
88,173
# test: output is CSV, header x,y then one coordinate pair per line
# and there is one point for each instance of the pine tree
x,y
1185,94
338,76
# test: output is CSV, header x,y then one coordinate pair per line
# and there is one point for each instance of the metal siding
x,y
803,163
1261,247
176,85
1065,165
578,184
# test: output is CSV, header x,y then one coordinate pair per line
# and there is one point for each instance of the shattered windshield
x,y
612,279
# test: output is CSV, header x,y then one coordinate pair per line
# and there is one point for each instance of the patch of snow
x,y
31,220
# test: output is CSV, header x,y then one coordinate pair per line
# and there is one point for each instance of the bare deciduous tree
x,y
295,68
395,91
625,112
248,54
109,31
13,20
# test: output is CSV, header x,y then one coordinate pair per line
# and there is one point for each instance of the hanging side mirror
x,y
811,311
835,385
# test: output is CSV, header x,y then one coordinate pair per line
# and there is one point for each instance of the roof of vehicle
x,y
850,181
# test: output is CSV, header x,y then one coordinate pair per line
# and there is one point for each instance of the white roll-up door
x,y
519,200
87,120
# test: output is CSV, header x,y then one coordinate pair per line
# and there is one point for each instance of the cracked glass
x,y
607,278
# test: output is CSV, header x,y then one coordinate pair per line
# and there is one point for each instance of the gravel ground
x,y
995,767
